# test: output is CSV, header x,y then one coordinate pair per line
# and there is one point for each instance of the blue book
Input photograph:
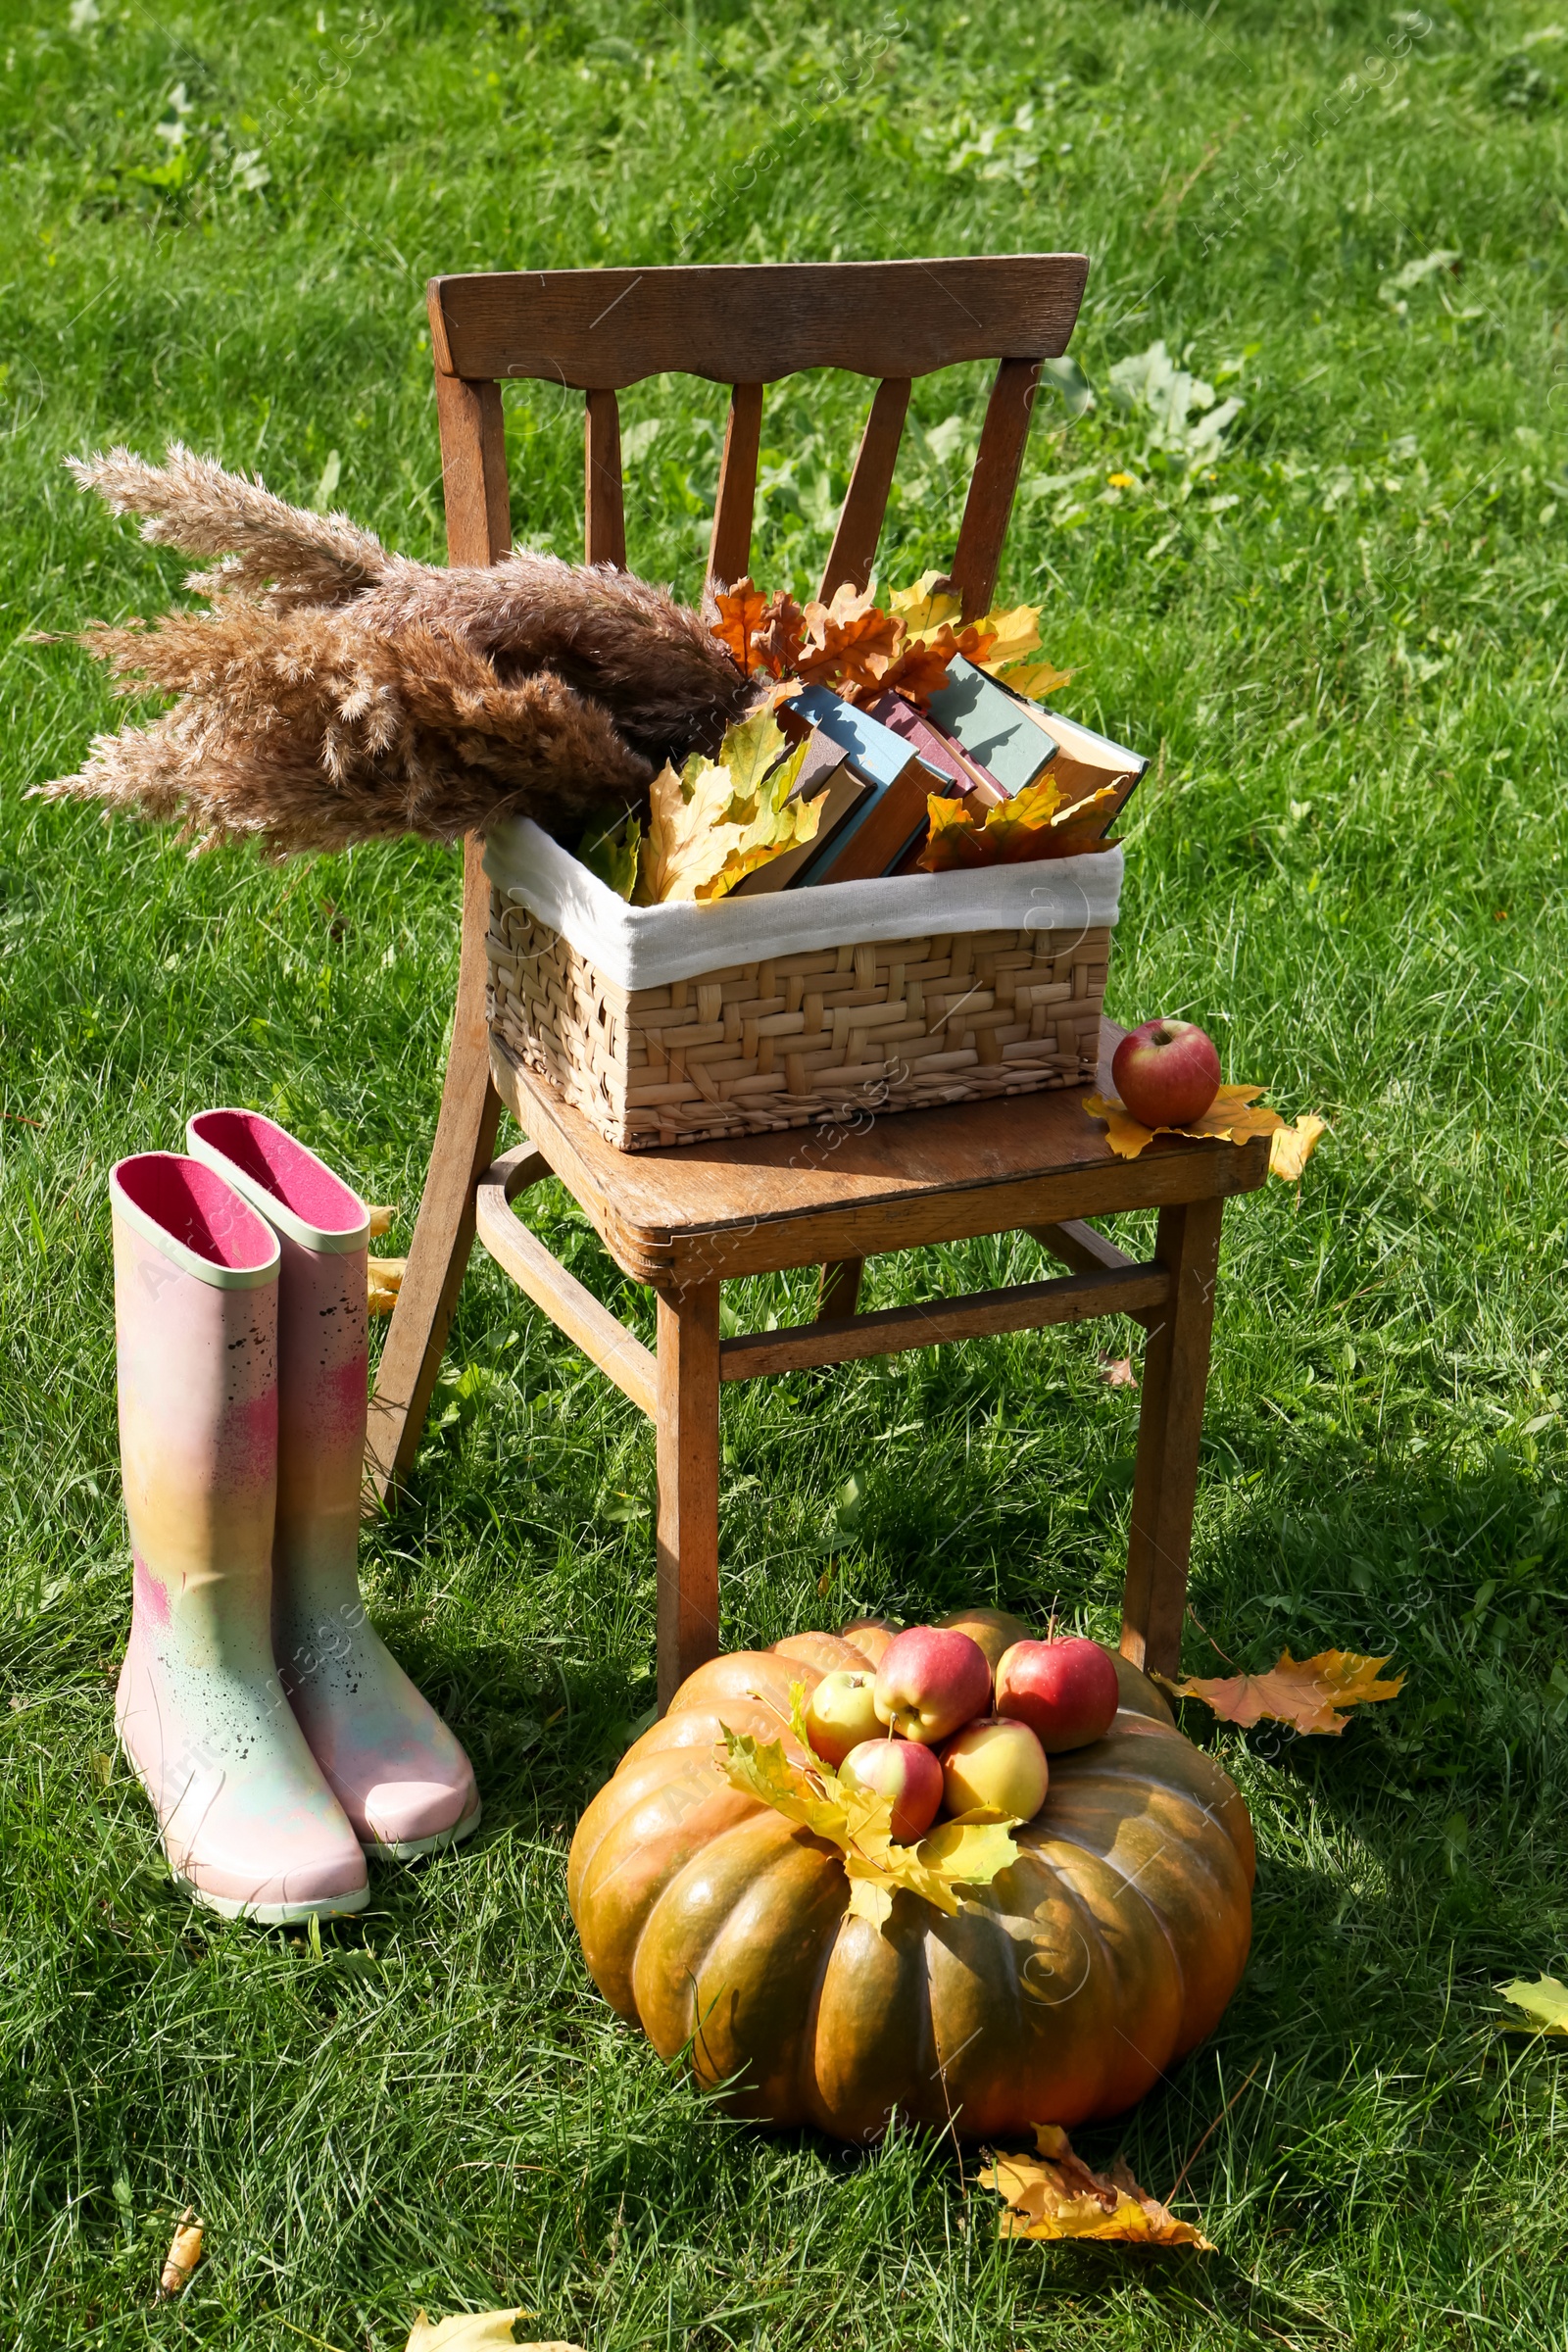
x,y
892,813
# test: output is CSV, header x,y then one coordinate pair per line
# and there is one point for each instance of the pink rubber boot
x,y
398,1773
246,1819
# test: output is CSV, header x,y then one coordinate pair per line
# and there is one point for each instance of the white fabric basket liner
x,y
648,946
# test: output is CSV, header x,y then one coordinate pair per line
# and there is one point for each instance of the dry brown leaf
x,y
780,635
1116,1371
1233,1117
1291,1148
183,2255
850,642
1054,2195
477,2331
742,611
1303,1692
383,1277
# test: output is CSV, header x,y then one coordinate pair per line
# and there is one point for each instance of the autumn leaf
x,y
183,2255
1545,2004
608,849
1012,635
918,670
1054,2195
850,642
780,635
712,826
1017,833
1033,679
1117,1372
381,1222
384,1279
1291,1148
1233,1117
742,611
926,606
477,2331
966,1851
1304,1692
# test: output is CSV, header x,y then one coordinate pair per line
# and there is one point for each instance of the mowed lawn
x,y
1338,618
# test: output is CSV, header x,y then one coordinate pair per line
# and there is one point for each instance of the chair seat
x,y
760,1203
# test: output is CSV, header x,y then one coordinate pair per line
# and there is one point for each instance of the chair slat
x,y
854,548
474,470
744,324
603,512
994,484
729,550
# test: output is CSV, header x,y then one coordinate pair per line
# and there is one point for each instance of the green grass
x,y
1346,646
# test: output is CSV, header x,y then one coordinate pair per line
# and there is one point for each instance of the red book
x,y
937,750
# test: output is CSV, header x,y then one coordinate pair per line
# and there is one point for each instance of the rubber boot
x,y
246,1819
397,1771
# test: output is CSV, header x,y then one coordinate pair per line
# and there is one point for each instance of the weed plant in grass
x,y
1338,621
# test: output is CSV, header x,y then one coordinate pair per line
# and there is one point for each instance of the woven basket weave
x,y
798,1039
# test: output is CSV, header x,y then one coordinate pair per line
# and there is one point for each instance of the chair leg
x,y
1169,1426
438,1255
687,1435
838,1294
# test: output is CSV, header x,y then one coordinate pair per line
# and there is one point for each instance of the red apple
x,y
1066,1691
998,1763
906,1774
930,1682
840,1712
1166,1073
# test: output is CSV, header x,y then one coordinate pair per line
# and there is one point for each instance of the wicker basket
x,y
796,1039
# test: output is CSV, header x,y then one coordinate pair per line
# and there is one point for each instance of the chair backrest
x,y
598,330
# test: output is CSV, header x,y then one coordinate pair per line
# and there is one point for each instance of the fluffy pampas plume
x,y
335,692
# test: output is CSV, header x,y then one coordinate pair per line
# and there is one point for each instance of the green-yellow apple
x,y
930,1682
1066,1691
906,1774
840,1712
1167,1073
997,1763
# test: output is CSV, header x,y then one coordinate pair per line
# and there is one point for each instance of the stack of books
x,y
874,771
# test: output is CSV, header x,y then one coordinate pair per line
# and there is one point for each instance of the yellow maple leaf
x,y
925,607
1012,635
1054,2195
711,825
968,1851
684,846
1291,1148
1545,2004
1233,1117
1022,830
477,2331
383,1280
1304,1692
1033,679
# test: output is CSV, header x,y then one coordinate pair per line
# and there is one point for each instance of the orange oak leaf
x,y
742,611
1054,2195
850,642
918,669
1304,1692
1233,1117
780,634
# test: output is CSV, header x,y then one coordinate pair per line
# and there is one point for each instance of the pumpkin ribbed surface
x,y
1061,1992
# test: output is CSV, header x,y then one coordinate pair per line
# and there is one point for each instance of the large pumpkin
x,y
1061,1992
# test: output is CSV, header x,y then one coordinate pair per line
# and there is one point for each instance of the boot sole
x,y
272,1915
409,1849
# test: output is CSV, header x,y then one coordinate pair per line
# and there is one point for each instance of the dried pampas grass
x,y
336,693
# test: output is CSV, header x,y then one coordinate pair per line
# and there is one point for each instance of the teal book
x,y
995,727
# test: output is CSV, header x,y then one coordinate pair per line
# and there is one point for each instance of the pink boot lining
x,y
283,1168
195,1206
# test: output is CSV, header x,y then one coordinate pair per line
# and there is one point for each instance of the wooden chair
x,y
684,1218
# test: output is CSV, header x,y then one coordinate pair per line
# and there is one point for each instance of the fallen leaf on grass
x,y
1233,1117
477,2331
1304,1692
1116,1371
968,1852
381,1222
183,2255
1055,2194
1291,1148
384,1279
1545,2004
